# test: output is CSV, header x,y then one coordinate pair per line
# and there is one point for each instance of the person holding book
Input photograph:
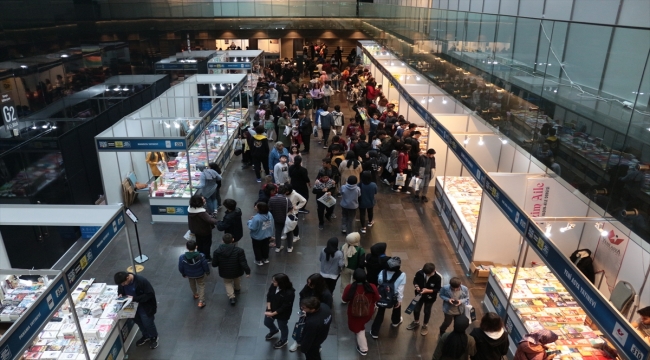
x,y
533,346
140,289
427,283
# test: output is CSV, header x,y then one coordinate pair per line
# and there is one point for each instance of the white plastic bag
x,y
400,180
189,236
415,183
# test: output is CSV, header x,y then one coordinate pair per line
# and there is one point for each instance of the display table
x,y
540,301
18,296
101,327
459,203
170,193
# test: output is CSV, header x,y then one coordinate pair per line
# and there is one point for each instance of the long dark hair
x,y
456,342
283,281
317,284
331,248
359,279
351,158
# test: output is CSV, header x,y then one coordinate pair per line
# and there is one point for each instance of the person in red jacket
x,y
371,92
403,168
353,128
356,323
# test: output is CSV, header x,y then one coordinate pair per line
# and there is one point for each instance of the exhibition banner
x,y
134,144
168,210
537,195
230,65
609,254
170,66
20,334
598,308
115,349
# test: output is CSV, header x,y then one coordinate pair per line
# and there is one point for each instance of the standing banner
x,y
537,195
609,254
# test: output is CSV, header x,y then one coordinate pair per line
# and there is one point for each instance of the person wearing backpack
x,y
194,266
339,119
362,297
353,256
391,292
427,283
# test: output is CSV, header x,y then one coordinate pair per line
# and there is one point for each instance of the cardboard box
x,y
479,274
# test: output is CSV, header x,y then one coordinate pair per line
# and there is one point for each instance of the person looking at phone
x,y
533,346
454,296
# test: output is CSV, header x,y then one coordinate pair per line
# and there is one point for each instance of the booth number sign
x,y
9,114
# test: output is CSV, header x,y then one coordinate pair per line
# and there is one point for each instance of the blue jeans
x,y
146,324
211,203
282,324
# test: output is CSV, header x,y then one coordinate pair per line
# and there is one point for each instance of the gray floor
x,y
413,231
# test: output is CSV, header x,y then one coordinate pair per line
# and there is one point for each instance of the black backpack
x,y
387,291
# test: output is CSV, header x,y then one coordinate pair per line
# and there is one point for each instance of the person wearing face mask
x,y
454,296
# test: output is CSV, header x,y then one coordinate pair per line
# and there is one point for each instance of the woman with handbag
x,y
315,287
358,313
201,225
279,304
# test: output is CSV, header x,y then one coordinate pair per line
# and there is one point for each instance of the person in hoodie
x,y
261,228
200,224
281,170
371,164
273,97
491,338
456,345
274,156
367,200
362,147
350,166
298,202
533,346
376,261
424,168
331,263
194,266
391,274
306,128
232,264
350,193
209,184
427,283
318,320
231,222
338,119
260,152
326,121
324,185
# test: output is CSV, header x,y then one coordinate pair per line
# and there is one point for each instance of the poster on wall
x,y
609,254
537,195
9,113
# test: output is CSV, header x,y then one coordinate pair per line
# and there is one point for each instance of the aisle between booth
x,y
56,314
176,140
477,165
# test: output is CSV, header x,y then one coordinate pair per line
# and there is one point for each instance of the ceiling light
x,y
548,230
568,227
423,100
214,87
417,78
177,125
64,55
54,126
444,100
44,126
431,99
34,126
480,140
601,227
107,90
23,66
167,125
402,64
504,141
117,89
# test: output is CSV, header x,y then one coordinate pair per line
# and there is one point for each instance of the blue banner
x,y
169,210
27,326
599,309
126,144
495,301
230,65
87,232
76,268
465,245
512,330
115,349
506,205
176,66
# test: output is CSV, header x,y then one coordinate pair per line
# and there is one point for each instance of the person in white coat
x,y
298,202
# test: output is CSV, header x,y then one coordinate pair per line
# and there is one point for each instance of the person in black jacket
x,y
140,289
279,302
260,152
376,261
491,338
427,282
317,326
232,264
231,222
305,126
362,147
315,287
194,266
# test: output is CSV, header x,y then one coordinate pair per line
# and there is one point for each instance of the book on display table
x,y
540,301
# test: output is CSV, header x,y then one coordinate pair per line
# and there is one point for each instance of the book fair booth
x,y
175,137
60,313
185,64
238,62
521,230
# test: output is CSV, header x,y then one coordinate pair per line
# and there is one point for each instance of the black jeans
x,y
203,244
306,140
395,317
362,215
326,135
261,249
313,353
323,210
448,319
279,227
427,310
258,163
296,230
331,284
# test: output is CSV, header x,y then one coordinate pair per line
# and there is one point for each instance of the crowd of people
x,y
377,145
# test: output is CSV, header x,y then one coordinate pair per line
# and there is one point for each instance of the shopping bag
x,y
327,200
411,307
287,130
189,236
400,180
290,223
418,184
299,329
413,182
238,144
470,312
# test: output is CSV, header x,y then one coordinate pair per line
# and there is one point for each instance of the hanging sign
x,y
77,267
609,254
537,195
608,319
29,324
230,65
131,144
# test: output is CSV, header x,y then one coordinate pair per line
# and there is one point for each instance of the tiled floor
x,y
412,231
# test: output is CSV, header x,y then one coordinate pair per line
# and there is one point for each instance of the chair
x,y
133,179
622,297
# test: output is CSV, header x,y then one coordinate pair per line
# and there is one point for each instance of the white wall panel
x,y
635,13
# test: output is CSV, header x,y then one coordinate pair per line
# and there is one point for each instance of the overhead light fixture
x,y
23,66
601,227
214,87
424,100
480,140
402,64
176,124
549,227
167,125
45,126
117,89
466,141
444,100
417,78
504,141
64,55
53,127
431,98
34,126
569,226
107,90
